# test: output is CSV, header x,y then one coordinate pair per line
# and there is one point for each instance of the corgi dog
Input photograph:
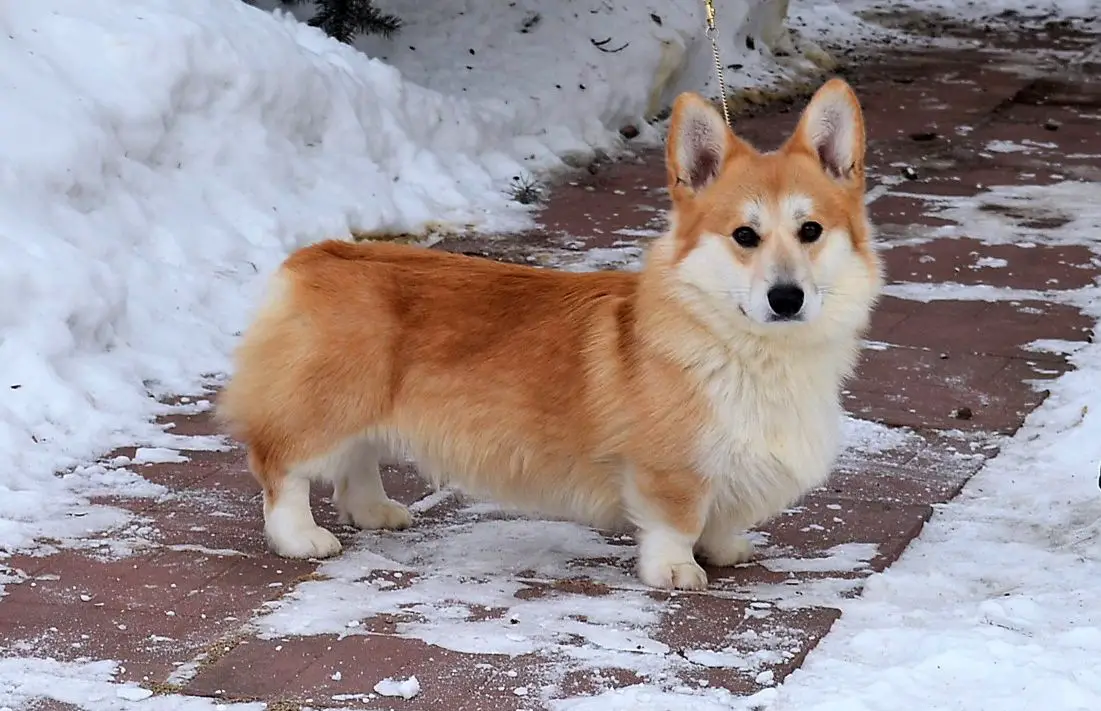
x,y
691,400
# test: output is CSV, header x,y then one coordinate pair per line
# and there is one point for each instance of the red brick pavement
x,y
202,608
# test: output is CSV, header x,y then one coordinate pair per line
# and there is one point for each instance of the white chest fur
x,y
773,433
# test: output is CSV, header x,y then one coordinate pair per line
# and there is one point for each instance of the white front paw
x,y
303,542
376,514
682,575
727,551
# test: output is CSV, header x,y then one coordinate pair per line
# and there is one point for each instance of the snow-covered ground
x,y
160,158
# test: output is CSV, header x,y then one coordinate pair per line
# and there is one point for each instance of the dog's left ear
x,y
832,130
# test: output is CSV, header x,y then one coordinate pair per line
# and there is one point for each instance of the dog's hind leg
x,y
288,521
358,494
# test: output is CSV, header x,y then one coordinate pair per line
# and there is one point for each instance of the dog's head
x,y
773,242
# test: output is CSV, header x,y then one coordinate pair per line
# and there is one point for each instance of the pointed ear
x,y
832,129
698,146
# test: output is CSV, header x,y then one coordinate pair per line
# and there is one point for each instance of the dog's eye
x,y
810,232
747,237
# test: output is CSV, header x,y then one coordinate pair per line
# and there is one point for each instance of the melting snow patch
x,y
866,437
1087,299
89,686
132,693
1005,147
845,557
1060,213
990,263
158,455
406,689
1055,345
648,698
464,568
10,576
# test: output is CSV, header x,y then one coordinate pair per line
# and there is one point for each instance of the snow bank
x,y
162,157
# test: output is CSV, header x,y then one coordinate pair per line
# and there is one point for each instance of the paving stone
x,y
898,217
147,644
303,670
928,468
908,387
732,643
152,582
1000,328
969,261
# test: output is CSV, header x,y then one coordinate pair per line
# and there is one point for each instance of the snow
x,y
89,686
997,215
482,580
529,56
644,698
161,158
971,10
867,437
849,23
157,455
846,556
406,689
474,567
1086,298
132,693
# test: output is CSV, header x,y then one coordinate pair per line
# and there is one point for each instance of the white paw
x,y
377,514
303,542
727,551
685,575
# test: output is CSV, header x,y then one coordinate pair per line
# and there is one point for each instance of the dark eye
x,y
747,237
810,232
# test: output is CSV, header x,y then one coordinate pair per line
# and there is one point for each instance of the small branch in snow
x,y
525,190
600,45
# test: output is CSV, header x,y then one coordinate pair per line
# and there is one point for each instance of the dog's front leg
x,y
723,542
669,506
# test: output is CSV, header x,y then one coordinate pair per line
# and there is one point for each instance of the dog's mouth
x,y
775,319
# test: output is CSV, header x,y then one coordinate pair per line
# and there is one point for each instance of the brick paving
x,y
201,608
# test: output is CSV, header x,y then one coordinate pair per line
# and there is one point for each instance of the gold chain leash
x,y
709,6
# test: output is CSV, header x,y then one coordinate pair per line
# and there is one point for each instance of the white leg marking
x,y
358,494
722,543
665,559
289,524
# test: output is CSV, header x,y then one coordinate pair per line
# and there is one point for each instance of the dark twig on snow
x,y
599,44
525,190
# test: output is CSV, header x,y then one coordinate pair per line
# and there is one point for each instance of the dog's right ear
x,y
699,146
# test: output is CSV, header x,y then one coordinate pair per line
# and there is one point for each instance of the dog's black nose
x,y
786,300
